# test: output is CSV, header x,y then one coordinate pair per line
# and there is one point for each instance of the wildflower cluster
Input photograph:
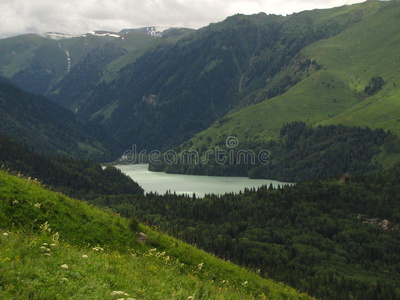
x,y
45,227
166,259
35,181
97,249
44,248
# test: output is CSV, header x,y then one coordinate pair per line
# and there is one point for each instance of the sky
x,y
81,16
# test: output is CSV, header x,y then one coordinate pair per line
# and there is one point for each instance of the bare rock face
x,y
384,224
142,238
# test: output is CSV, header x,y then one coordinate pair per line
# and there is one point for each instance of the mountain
x,y
246,76
175,90
301,152
48,127
37,62
52,246
334,93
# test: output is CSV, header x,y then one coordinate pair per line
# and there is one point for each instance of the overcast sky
x,y
81,16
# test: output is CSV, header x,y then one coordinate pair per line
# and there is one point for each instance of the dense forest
x,y
76,178
50,128
301,153
335,239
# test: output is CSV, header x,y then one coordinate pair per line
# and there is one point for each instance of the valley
x,y
271,161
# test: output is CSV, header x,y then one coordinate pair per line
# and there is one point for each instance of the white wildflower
x,y
52,245
190,298
15,202
45,226
245,283
64,266
119,293
5,234
200,266
64,279
45,244
85,256
37,205
98,249
47,254
56,236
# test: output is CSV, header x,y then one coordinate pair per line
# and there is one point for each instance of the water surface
x,y
188,184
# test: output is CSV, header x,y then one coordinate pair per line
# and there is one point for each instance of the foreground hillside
x,y
54,247
333,238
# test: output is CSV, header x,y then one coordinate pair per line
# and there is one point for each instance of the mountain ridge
x,y
204,75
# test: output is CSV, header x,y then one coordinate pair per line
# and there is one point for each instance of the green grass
x,y
332,95
34,221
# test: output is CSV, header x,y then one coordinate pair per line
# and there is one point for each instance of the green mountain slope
x,y
37,62
335,93
54,247
48,127
102,65
76,178
176,90
300,153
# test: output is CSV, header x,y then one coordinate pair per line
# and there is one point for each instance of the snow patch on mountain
x,y
157,31
105,33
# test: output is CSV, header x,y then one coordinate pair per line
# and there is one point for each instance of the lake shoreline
x,y
200,185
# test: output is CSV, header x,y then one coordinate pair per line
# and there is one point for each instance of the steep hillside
x,y
335,94
102,65
301,152
54,247
176,90
335,238
76,178
48,127
38,62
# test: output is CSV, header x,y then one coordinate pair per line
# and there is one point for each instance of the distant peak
x,y
157,31
105,33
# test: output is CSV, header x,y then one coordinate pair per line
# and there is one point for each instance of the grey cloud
x,y
80,16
